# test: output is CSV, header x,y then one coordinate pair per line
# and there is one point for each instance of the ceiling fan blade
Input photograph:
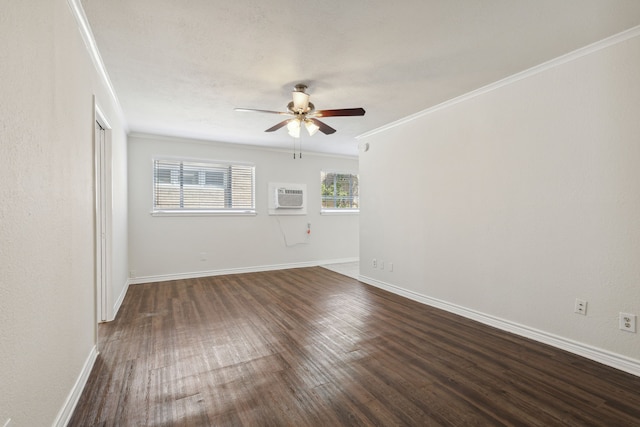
x,y
253,110
340,112
324,128
278,126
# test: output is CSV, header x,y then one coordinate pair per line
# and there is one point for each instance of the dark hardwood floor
x,y
310,347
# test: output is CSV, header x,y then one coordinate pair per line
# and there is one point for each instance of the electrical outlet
x,y
628,322
374,263
580,307
133,274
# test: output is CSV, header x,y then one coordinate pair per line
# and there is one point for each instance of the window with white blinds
x,y
184,186
339,192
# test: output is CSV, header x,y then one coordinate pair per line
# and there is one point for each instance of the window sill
x,y
202,213
340,212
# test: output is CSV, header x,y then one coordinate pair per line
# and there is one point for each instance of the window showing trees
x,y
339,192
203,186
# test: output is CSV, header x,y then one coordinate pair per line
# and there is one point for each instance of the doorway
x,y
102,214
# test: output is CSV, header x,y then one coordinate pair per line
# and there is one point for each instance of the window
x,y
203,187
339,192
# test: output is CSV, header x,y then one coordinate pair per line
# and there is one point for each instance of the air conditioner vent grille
x,y
289,198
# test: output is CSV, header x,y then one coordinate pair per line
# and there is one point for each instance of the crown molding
x,y
92,48
571,56
231,145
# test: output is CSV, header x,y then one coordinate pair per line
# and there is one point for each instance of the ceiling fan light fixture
x,y
294,128
312,128
300,102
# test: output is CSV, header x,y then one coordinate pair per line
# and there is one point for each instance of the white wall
x,y
510,204
168,247
47,289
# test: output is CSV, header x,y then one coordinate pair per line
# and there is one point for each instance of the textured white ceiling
x,y
180,67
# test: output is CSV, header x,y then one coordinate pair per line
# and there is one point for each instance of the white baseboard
x,y
118,303
339,261
613,360
64,416
240,270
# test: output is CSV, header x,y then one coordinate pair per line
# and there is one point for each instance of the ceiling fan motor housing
x,y
309,108
300,104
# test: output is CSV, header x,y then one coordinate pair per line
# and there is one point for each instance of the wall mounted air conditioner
x,y
289,198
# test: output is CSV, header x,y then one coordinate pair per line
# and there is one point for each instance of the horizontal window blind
x,y
339,191
202,186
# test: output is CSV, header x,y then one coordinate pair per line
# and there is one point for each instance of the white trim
x,y
339,211
118,303
207,160
234,145
563,59
92,48
103,214
99,114
202,212
64,416
608,358
239,270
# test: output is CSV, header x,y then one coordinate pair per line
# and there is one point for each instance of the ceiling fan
x,y
304,113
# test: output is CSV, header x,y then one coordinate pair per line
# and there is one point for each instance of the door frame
x,y
103,238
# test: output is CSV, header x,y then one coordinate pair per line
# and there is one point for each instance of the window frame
x,y
202,178
339,211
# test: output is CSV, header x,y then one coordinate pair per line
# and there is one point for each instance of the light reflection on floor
x,y
347,313
350,269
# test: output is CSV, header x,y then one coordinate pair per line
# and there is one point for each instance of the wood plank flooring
x,y
310,347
